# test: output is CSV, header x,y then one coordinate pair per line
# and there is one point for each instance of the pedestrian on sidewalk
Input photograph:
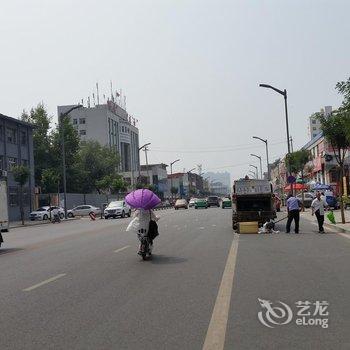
x,y
318,206
293,208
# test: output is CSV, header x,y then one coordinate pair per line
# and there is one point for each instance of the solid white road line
x,y
215,338
44,282
121,249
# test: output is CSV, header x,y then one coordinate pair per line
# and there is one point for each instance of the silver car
x,y
308,198
44,213
83,210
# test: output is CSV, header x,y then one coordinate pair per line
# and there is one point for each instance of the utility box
x,y
248,227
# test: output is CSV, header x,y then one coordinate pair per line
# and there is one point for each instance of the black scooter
x,y
145,248
56,218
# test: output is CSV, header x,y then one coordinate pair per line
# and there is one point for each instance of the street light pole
x,y
284,94
61,117
140,148
254,155
267,155
189,180
256,169
252,172
171,176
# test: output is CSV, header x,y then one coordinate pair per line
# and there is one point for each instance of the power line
x,y
211,150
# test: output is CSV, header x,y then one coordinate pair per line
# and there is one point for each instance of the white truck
x,y
4,215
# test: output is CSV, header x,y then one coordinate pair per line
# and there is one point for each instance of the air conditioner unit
x,y
3,173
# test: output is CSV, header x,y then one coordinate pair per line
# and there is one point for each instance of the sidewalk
x,y
338,226
15,224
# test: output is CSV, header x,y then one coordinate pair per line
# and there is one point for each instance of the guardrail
x,y
163,206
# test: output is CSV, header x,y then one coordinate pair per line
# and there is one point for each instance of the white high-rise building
x,y
314,123
109,124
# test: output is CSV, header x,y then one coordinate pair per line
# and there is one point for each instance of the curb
x,y
337,228
41,223
331,226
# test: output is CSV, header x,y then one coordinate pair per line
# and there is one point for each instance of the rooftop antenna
x,y
112,97
97,94
124,102
93,98
88,102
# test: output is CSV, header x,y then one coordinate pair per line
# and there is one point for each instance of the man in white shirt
x,y
318,206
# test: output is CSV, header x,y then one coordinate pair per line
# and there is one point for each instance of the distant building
x,y
223,177
219,189
315,124
111,125
16,147
156,175
187,184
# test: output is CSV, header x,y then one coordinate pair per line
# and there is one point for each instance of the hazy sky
x,y
189,68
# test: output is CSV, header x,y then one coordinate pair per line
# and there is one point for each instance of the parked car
x,y
117,208
226,203
181,203
43,213
332,202
277,202
201,203
308,198
192,202
83,210
213,201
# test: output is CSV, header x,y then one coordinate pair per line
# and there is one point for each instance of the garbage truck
x,y
252,201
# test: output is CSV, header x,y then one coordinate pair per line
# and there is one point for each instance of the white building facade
x,y
109,124
315,124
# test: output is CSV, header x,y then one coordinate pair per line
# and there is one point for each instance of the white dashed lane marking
x,y
52,279
121,249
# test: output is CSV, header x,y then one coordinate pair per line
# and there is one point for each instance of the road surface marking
x,y
202,228
44,282
121,249
215,338
213,225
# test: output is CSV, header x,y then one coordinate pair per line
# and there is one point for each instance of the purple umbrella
x,y
142,199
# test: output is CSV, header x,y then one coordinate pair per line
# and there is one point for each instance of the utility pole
x,y
291,143
146,150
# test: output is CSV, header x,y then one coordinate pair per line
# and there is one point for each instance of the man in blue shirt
x,y
293,209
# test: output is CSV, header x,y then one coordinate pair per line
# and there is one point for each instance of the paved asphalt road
x,y
81,285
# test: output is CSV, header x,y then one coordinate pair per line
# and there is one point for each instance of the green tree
x,y
174,190
334,129
50,179
72,148
111,184
39,117
296,162
21,175
94,163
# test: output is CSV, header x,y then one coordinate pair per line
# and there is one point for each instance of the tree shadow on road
x,y
4,251
164,260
